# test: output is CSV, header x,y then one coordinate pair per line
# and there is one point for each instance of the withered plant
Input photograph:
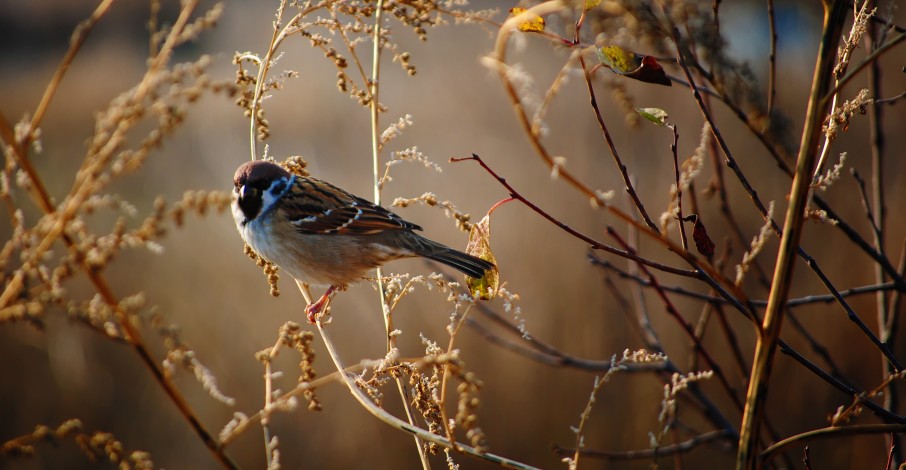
x,y
705,282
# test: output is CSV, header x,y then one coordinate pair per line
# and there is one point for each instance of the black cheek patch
x,y
251,203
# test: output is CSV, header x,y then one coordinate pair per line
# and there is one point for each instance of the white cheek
x,y
267,201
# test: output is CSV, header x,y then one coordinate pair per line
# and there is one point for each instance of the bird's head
x,y
257,186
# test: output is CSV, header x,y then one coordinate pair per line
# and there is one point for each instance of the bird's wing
x,y
318,207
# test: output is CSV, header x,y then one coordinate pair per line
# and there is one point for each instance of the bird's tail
x,y
471,266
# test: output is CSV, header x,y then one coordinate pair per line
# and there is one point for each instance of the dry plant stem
x,y
687,328
781,157
856,238
268,400
799,301
369,83
539,350
446,377
298,390
556,358
700,274
886,23
75,44
704,269
772,59
731,162
748,457
630,189
876,229
652,342
131,333
710,310
719,186
851,314
831,432
876,212
848,390
276,40
679,189
387,312
868,60
892,100
678,448
402,425
891,399
597,245
859,400
263,67
776,150
843,61
717,301
80,188
816,346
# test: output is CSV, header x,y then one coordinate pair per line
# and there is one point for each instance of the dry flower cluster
x,y
713,402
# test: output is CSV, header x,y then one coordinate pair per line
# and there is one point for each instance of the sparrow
x,y
322,235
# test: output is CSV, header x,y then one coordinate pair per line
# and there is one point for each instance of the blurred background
x,y
206,285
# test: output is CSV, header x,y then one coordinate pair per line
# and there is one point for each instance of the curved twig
x,y
401,425
825,433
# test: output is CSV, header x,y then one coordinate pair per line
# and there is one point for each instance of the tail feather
x,y
471,266
416,245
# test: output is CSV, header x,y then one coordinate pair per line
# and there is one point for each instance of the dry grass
x,y
617,234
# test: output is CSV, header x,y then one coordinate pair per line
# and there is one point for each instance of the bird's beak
x,y
242,192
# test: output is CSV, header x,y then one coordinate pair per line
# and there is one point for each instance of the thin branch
x,y
652,341
810,261
772,59
374,108
594,243
831,432
892,100
42,197
679,448
848,390
679,188
869,59
630,189
748,457
75,44
687,328
558,359
795,302
401,425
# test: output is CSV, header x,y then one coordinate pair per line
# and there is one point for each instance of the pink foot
x,y
314,310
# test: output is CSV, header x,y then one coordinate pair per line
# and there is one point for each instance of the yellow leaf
x,y
589,4
618,59
480,246
533,23
644,68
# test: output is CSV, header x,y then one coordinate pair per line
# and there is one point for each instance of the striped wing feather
x,y
322,208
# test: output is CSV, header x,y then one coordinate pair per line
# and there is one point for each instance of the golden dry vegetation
x,y
134,330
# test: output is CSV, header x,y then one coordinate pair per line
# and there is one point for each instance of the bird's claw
x,y
319,308
315,310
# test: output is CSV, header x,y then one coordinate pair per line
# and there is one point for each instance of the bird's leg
x,y
314,309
